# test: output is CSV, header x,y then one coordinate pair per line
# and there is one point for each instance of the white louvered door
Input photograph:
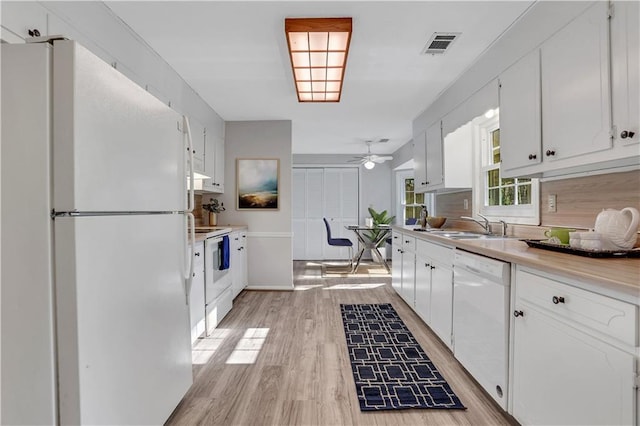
x,y
323,192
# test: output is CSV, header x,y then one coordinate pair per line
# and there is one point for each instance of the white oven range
x,y
217,292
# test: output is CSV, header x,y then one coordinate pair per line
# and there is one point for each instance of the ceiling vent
x,y
439,43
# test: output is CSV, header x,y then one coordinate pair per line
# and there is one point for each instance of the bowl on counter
x,y
436,221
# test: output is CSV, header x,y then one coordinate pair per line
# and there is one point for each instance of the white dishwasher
x,y
481,320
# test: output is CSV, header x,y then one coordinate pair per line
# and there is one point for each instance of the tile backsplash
x,y
579,200
198,213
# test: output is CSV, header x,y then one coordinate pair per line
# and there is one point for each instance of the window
x,y
514,200
410,202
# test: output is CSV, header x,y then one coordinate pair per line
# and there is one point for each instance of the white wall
x,y
269,247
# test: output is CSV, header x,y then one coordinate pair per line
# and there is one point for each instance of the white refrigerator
x,y
95,271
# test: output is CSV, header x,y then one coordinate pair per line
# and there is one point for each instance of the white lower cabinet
x,y
423,287
573,359
238,260
408,288
396,261
442,301
422,275
196,297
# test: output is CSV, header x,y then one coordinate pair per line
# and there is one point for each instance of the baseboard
x,y
269,287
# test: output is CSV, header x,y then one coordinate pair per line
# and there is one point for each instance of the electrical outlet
x,y
466,204
552,203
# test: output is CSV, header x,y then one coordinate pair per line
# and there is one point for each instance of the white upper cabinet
x,y
218,176
197,145
434,158
571,95
419,165
20,17
428,159
625,77
520,111
213,163
575,87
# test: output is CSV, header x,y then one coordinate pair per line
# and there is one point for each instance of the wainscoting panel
x,y
268,268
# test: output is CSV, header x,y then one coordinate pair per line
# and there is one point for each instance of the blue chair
x,y
339,242
411,221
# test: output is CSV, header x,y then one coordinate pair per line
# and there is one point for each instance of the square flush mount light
x,y
318,49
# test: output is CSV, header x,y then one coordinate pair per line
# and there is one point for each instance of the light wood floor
x,y
296,369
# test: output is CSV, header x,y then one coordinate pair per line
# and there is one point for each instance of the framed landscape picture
x,y
257,183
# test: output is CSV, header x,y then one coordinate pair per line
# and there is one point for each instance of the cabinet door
x,y
244,265
442,302
236,271
408,278
396,261
625,62
197,144
423,287
419,162
520,123
434,159
20,17
196,297
209,162
563,376
575,87
218,176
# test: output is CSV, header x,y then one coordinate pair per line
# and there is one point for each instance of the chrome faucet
x,y
484,223
504,227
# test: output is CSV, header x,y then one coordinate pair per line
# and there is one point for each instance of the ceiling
x,y
234,55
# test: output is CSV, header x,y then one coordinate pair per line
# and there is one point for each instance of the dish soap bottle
x,y
423,217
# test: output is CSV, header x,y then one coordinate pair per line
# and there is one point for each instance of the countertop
x,y
215,231
617,277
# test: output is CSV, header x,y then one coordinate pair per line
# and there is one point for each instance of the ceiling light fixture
x,y
369,164
318,49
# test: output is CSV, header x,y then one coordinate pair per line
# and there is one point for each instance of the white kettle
x,y
619,227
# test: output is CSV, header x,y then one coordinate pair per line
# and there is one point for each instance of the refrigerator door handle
x,y
190,198
191,245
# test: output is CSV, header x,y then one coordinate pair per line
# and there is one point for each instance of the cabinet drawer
x,y
396,239
603,314
408,243
435,252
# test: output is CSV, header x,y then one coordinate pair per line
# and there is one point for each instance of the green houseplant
x,y
381,218
214,207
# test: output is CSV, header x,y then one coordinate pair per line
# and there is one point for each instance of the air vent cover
x,y
439,43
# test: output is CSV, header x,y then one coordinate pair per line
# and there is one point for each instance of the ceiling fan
x,y
369,160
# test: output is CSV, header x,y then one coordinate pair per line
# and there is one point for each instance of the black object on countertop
x,y
542,244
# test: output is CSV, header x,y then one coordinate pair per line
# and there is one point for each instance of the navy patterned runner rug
x,y
390,368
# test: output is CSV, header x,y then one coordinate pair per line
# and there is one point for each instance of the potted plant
x,y
214,207
379,219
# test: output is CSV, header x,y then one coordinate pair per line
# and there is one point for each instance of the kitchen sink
x,y
460,235
469,236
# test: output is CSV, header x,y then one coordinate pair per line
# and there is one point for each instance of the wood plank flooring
x,y
280,358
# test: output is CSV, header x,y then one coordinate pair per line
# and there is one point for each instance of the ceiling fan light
x,y
369,164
